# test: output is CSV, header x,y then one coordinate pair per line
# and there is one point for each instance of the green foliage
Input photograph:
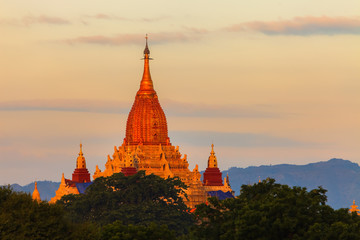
x,y
138,200
23,218
273,211
149,207
119,231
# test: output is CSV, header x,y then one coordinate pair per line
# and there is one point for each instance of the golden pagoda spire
x,y
146,85
80,149
212,161
80,161
36,194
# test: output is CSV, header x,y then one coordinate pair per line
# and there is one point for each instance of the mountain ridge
x,y
340,177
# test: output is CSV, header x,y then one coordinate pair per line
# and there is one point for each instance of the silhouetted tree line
x,y
149,207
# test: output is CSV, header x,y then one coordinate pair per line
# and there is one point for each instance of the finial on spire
x,y
146,85
212,161
80,161
146,50
80,153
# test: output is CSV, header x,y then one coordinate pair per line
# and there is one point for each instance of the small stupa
x,y
36,194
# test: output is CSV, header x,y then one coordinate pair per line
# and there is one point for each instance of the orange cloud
x,y
302,26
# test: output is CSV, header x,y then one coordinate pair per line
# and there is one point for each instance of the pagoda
x,y
212,178
80,179
147,146
81,174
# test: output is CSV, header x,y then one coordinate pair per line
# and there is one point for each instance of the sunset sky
x,y
267,82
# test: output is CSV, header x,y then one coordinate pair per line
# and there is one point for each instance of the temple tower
x,y
212,174
146,145
146,123
212,179
81,174
80,179
36,194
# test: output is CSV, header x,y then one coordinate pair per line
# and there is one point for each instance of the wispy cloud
x,y
124,39
103,16
181,109
44,19
67,105
172,108
32,20
233,139
302,26
155,19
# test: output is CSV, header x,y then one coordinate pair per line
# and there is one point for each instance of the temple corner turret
x,y
81,175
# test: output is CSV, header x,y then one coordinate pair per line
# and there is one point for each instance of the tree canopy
x,y
139,199
149,207
23,218
273,211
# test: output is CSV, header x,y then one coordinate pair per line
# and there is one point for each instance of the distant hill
x,y
46,188
340,177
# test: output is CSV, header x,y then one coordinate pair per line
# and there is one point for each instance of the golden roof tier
x,y
146,123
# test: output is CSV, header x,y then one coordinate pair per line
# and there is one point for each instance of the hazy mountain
x,y
46,188
340,177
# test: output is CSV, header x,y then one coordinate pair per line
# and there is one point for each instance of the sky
x,y
267,81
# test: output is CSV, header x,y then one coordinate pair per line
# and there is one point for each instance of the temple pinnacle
x,y
146,85
80,153
146,50
36,194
